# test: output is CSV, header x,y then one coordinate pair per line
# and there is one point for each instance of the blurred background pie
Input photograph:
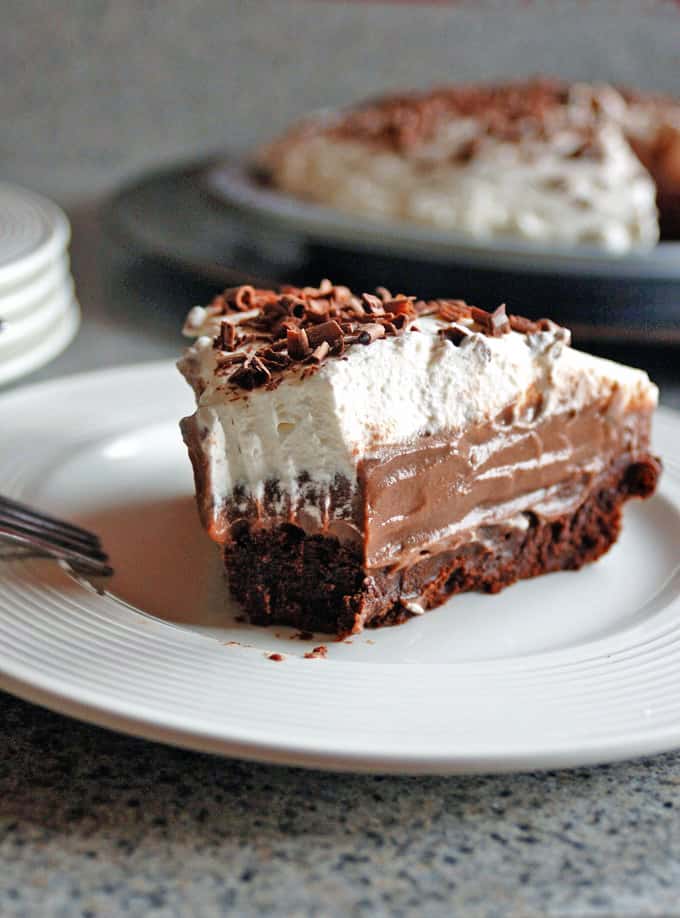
x,y
539,159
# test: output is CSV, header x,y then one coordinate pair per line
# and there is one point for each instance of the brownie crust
x,y
313,582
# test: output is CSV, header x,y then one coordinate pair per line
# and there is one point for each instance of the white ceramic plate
x,y
24,332
40,338
23,298
567,669
269,209
34,232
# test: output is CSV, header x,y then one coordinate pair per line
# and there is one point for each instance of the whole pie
x,y
538,160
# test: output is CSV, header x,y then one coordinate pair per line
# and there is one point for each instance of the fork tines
x,y
22,511
48,535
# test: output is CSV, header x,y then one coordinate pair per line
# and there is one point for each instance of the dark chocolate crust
x,y
314,583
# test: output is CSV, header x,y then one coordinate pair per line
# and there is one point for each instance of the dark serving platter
x,y
200,217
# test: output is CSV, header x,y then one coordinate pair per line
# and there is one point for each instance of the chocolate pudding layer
x,y
315,583
425,498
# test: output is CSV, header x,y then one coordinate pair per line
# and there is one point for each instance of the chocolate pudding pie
x,y
538,160
360,459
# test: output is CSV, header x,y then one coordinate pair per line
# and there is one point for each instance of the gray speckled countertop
x,y
92,823
96,824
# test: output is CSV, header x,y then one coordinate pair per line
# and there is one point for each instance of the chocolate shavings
x,y
306,326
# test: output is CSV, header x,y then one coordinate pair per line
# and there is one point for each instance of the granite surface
x,y
97,824
92,823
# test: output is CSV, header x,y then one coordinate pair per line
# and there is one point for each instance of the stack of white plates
x,y
38,309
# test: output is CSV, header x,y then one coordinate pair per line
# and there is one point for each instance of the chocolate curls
x,y
265,332
299,326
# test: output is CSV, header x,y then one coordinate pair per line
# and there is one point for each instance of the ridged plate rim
x,y
48,230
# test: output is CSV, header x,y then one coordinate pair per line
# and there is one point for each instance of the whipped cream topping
x,y
310,430
568,174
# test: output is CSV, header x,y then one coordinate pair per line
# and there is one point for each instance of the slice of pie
x,y
360,459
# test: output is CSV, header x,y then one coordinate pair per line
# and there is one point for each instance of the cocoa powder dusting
x,y
509,111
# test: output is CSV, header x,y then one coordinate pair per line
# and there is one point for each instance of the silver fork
x,y
38,535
